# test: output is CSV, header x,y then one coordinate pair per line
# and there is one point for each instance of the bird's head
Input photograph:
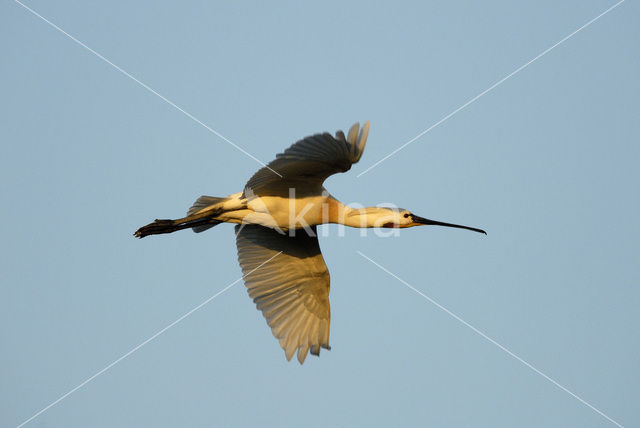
x,y
401,218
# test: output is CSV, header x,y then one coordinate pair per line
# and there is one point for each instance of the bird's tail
x,y
200,204
201,216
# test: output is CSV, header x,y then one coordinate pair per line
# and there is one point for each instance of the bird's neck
x,y
364,217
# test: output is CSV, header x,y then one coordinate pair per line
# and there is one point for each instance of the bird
x,y
276,217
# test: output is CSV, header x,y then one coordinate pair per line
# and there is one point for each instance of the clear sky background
x,y
547,163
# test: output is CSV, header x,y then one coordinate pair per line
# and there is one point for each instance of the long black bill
x,y
422,220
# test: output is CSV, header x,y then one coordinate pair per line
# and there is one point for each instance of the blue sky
x,y
547,163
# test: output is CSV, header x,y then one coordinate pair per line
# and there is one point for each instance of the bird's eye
x,y
406,215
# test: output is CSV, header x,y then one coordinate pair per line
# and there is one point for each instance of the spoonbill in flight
x,y
276,217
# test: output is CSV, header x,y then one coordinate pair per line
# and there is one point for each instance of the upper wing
x,y
292,290
308,162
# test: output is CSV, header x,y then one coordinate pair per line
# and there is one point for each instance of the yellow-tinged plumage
x,y
276,217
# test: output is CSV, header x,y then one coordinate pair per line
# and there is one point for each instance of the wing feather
x,y
292,290
307,163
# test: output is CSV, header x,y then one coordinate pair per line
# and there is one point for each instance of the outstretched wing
x,y
292,290
308,162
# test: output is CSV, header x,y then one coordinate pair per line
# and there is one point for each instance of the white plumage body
x,y
276,217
